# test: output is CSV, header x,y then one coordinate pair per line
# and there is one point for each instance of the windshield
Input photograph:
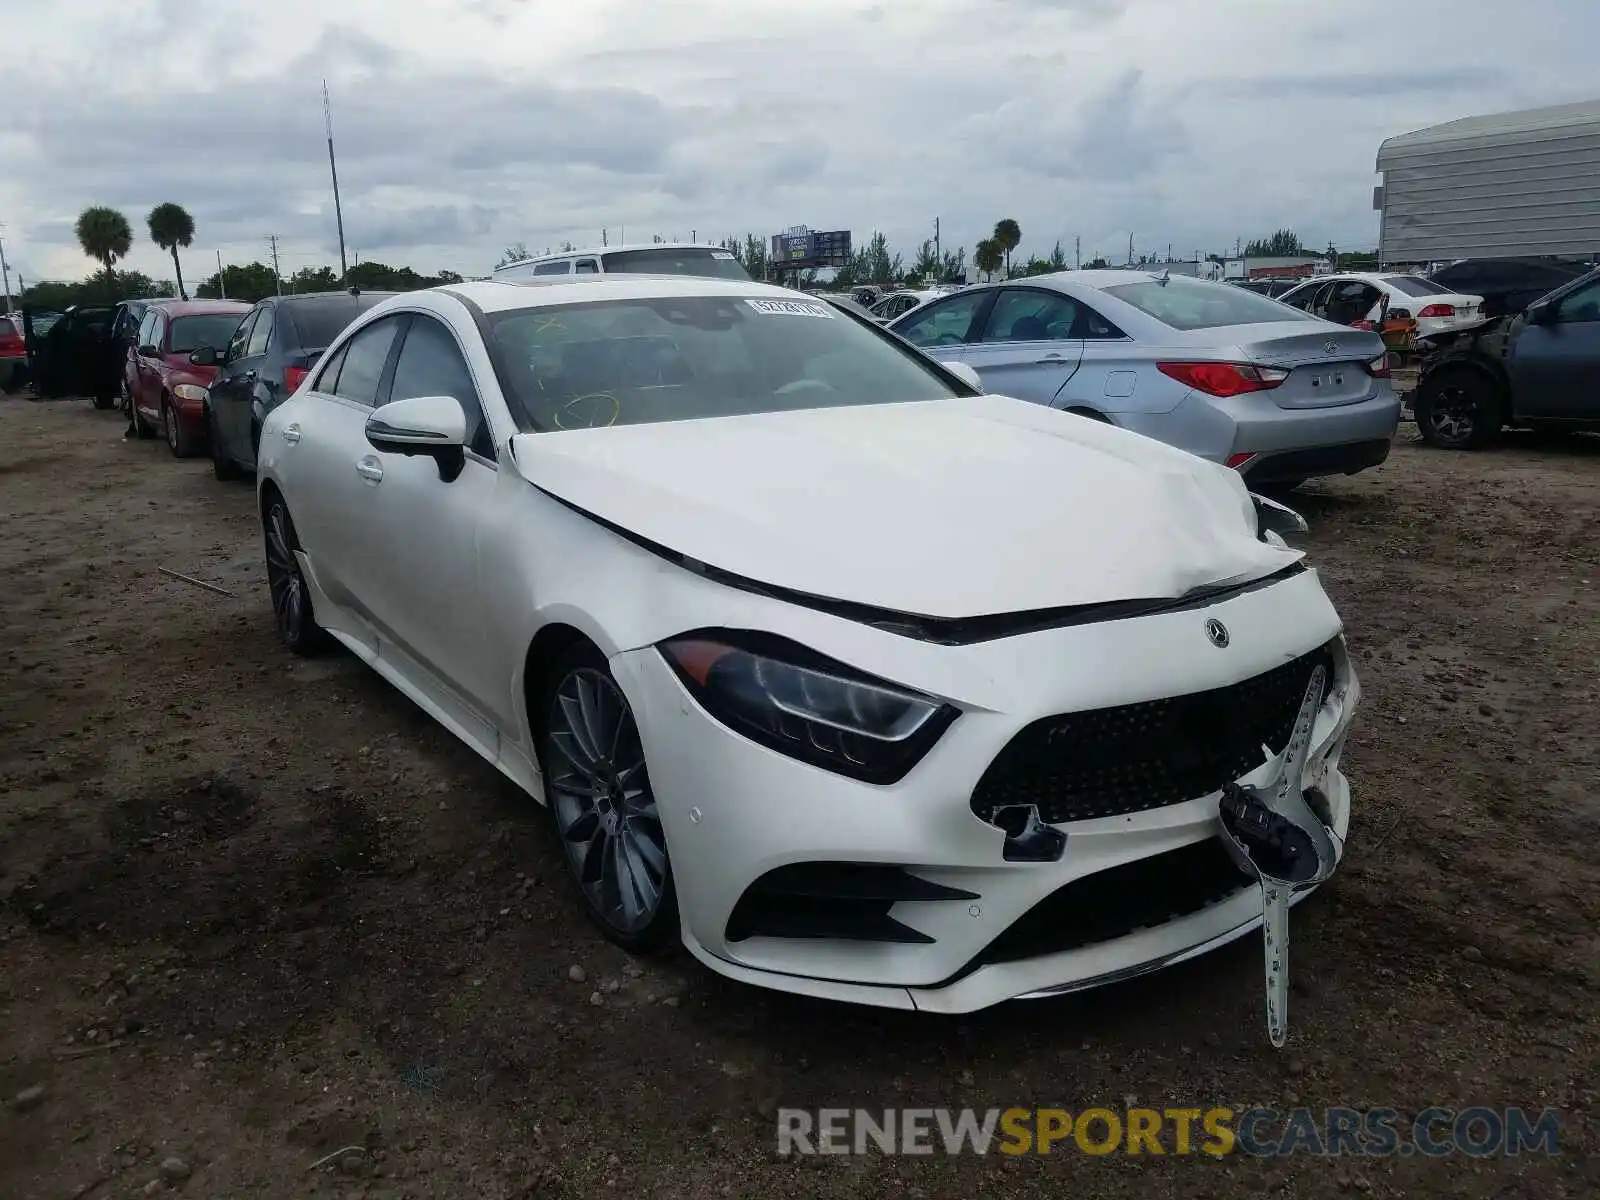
x,y
1195,304
1412,285
663,260
212,329
630,362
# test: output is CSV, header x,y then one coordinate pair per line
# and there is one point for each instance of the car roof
x,y
329,298
195,308
504,295
599,250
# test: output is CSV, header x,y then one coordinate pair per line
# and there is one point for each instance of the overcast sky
x,y
463,126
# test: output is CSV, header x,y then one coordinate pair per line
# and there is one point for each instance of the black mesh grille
x,y
1112,761
1110,904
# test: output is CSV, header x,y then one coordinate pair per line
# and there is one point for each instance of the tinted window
x,y
1412,285
241,335
1024,315
260,335
320,321
691,260
158,328
213,329
944,322
555,268
145,326
1195,304
586,266
328,376
363,361
431,364
627,362
1300,297
1580,305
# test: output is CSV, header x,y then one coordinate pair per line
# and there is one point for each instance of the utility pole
x,y
222,282
338,212
5,269
938,257
1077,250
603,241
277,280
694,236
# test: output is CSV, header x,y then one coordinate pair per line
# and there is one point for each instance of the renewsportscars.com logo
x,y
1480,1132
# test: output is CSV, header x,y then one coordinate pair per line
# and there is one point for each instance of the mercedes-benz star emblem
x,y
1217,632
1330,347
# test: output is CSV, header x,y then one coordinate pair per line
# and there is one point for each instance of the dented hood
x,y
956,508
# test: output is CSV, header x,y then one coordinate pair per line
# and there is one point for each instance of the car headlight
x,y
802,704
189,391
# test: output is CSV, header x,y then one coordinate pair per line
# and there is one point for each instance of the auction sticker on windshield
x,y
790,308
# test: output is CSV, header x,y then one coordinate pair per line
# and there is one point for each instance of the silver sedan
x,y
1231,376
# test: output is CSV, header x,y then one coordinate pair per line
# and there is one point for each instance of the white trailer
x,y
1518,184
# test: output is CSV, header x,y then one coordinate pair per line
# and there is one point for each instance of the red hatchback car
x,y
166,389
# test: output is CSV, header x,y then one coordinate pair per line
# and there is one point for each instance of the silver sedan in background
x,y
1219,371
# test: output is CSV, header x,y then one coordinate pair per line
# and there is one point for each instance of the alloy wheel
x,y
288,588
1453,415
603,805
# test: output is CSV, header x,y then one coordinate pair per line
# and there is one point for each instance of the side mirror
x,y
966,373
149,352
1540,313
431,425
205,356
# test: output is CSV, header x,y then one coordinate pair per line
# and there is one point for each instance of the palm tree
x,y
1007,235
987,256
171,226
105,237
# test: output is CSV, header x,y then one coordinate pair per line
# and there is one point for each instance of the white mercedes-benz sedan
x,y
865,684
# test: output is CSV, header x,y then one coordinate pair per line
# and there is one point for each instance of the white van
x,y
656,258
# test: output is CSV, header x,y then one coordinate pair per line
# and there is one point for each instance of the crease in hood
x,y
950,510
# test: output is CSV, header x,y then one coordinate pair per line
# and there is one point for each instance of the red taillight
x,y
293,377
1437,310
1236,461
1223,379
1378,368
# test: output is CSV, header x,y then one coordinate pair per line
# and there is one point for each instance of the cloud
x,y
473,124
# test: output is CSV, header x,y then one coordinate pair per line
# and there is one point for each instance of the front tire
x,y
1458,410
604,810
291,598
179,440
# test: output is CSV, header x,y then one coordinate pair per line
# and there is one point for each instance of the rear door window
x,y
555,268
241,336
364,360
1030,315
944,322
260,335
431,364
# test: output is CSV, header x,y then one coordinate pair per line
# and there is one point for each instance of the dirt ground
x,y
255,910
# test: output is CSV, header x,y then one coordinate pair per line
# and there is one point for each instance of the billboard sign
x,y
799,248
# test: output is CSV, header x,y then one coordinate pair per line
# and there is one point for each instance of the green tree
x,y
1008,236
313,279
1283,243
988,256
247,281
927,266
1058,257
1097,263
171,226
105,237
514,254
953,269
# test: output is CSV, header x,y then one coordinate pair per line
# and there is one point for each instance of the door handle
x,y
291,434
246,377
1050,359
370,469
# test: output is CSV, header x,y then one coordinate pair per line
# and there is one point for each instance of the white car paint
x,y
788,524
1466,311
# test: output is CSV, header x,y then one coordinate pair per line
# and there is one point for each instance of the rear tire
x,y
223,467
291,598
1458,410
